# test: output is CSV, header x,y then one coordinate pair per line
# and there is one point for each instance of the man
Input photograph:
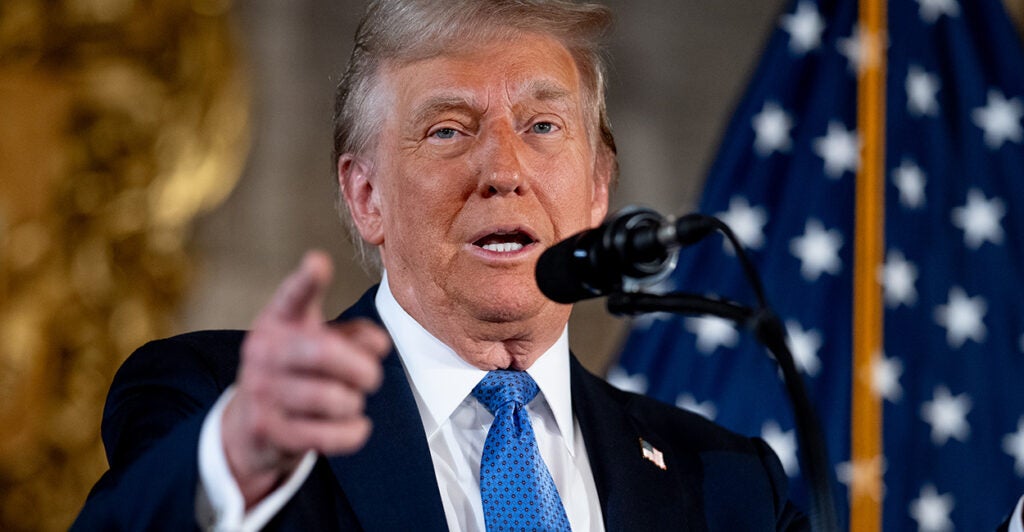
x,y
470,135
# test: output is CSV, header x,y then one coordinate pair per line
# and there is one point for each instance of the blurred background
x,y
165,163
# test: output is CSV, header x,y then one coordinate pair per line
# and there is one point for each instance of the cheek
x,y
568,193
424,200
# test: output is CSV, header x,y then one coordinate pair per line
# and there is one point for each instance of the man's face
x,y
483,161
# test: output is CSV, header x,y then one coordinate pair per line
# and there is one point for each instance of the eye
x,y
543,128
444,133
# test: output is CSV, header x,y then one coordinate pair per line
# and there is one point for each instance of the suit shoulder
x,y
676,425
161,384
203,343
213,353
739,479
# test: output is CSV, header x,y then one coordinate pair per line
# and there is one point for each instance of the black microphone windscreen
x,y
556,277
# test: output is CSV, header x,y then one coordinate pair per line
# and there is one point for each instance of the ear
x,y
363,201
604,169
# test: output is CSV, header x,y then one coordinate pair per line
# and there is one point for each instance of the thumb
x,y
303,290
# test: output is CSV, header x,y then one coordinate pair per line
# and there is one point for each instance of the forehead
x,y
525,66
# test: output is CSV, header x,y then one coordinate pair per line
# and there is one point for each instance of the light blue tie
x,y
515,484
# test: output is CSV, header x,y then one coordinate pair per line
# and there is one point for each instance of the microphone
x,y
636,246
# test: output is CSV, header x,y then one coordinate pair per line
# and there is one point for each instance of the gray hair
x,y
410,30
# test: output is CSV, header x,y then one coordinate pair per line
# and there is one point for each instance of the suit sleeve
x,y
151,425
787,516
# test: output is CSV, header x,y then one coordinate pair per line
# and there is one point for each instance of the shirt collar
x,y
441,379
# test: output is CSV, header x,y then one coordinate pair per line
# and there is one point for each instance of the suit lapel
x,y
390,483
635,494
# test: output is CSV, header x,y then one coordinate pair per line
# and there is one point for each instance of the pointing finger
x,y
303,290
365,334
336,357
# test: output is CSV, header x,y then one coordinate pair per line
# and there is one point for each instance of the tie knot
x,y
500,387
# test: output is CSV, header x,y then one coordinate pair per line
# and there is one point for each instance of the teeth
x,y
506,247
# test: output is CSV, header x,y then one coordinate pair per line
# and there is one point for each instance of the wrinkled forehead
x,y
516,50
459,38
527,67
386,89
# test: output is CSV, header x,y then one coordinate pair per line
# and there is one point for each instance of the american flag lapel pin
x,y
651,454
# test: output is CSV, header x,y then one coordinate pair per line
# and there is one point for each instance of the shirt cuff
x,y
1015,520
220,505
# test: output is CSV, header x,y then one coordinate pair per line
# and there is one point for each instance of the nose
x,y
503,172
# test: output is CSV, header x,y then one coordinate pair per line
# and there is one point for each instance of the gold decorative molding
x,y
120,122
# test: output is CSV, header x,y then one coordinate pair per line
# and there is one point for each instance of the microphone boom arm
x,y
638,247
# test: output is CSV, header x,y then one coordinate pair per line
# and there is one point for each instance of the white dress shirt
x,y
455,425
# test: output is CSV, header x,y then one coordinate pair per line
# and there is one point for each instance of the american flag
x,y
950,375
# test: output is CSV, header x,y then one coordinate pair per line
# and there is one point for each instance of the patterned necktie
x,y
515,484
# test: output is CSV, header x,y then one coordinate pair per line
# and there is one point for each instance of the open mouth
x,y
505,241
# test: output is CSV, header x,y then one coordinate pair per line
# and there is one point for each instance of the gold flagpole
x,y
866,460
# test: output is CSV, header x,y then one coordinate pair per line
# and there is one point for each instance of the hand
x,y
301,384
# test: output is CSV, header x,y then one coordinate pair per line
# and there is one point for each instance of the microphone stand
x,y
770,332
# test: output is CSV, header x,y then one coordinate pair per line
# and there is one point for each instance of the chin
x,y
506,310
495,303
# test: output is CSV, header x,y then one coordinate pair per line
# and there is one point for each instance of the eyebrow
x,y
546,90
551,93
441,104
540,90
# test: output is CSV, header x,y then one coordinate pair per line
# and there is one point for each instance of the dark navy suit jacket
x,y
713,480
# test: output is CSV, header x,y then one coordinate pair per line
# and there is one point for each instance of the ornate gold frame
x,y
121,122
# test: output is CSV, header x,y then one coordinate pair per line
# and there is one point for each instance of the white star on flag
x,y
805,27
1013,445
864,477
689,402
931,10
648,319
980,219
931,510
922,89
661,287
898,277
909,180
1000,119
963,317
947,416
839,148
804,345
852,48
861,49
619,378
712,332
818,250
746,222
771,129
885,378
784,445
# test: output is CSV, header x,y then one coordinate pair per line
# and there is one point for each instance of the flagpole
x,y
867,458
